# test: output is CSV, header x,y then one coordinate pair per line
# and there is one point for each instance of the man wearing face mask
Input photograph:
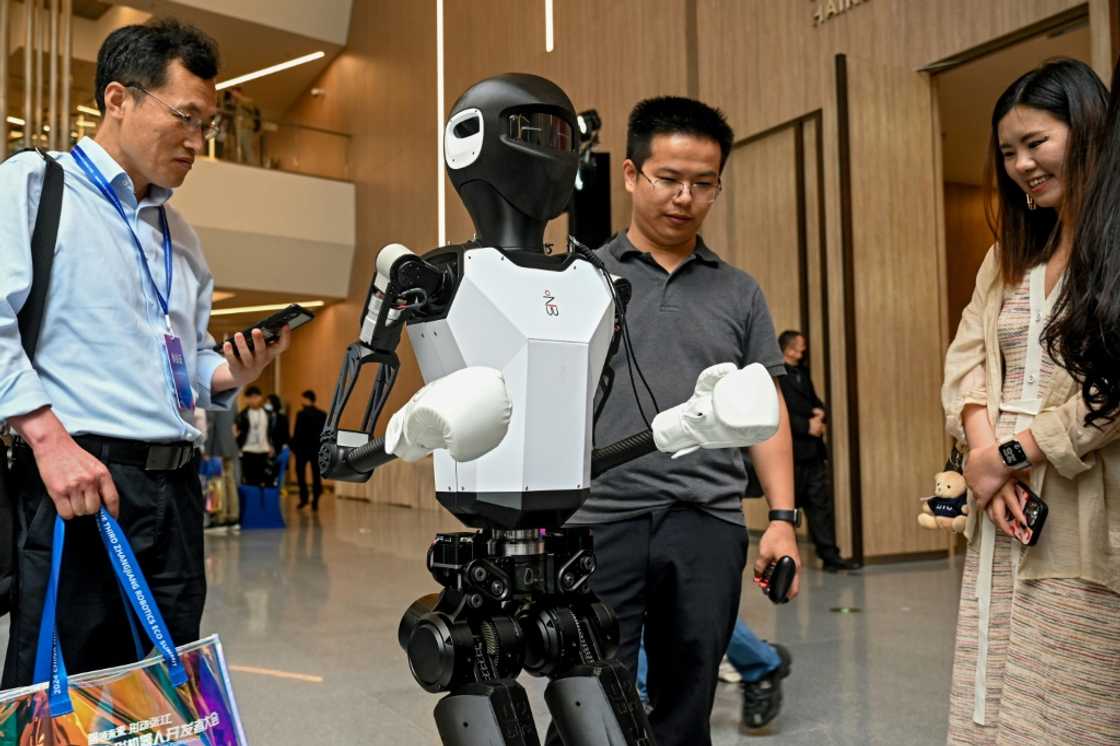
x,y
102,417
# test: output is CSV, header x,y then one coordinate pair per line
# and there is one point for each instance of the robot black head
x,y
512,153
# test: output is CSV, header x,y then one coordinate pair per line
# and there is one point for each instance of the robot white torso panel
x,y
548,331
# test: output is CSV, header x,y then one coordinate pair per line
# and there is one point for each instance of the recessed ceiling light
x,y
270,70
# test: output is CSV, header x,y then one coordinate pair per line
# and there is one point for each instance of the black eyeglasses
x,y
208,128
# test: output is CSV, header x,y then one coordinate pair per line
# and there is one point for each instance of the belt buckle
x,y
155,459
165,458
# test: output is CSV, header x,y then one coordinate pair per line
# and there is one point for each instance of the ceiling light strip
x,y
549,37
441,185
270,70
261,309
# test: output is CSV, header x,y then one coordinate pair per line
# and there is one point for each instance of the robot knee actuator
x,y
467,412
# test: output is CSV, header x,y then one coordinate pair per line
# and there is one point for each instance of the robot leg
x,y
597,705
493,713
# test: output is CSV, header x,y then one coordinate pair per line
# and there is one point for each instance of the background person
x,y
253,428
812,485
305,444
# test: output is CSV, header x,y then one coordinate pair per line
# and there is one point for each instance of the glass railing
x,y
281,146
286,147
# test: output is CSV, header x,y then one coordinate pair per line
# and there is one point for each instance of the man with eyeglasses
x,y
103,416
669,534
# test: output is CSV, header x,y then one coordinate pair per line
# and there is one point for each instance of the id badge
x,y
179,371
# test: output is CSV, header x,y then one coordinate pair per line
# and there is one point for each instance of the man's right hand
x,y
816,426
76,481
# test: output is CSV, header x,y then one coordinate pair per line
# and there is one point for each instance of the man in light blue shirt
x,y
103,417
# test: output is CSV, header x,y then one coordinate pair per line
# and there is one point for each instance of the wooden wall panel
x,y
967,240
818,328
765,62
754,227
759,203
897,301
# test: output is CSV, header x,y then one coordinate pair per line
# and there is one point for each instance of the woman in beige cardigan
x,y
1037,656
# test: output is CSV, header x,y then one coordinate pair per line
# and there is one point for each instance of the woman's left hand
x,y
1006,512
985,473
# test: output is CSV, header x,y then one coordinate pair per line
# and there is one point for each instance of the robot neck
x,y
498,223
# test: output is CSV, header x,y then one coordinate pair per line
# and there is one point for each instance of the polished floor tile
x,y
308,617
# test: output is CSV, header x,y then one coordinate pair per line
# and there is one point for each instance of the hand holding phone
x,y
294,316
777,580
1035,511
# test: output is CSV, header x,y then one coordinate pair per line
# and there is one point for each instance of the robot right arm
x,y
467,411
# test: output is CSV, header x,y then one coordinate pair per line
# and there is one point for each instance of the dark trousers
x,y
679,572
813,492
160,513
254,469
302,460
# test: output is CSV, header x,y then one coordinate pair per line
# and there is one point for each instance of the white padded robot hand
x,y
467,412
729,408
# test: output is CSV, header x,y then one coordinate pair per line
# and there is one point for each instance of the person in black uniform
x,y
305,446
807,419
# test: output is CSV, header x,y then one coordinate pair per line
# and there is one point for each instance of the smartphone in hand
x,y
294,316
1035,511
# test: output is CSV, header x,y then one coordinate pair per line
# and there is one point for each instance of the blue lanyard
x,y
107,192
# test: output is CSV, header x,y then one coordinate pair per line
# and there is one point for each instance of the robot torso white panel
x,y
546,323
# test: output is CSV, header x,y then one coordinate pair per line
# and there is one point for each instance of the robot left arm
x,y
729,408
405,287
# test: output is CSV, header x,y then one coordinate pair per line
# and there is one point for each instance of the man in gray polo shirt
x,y
669,533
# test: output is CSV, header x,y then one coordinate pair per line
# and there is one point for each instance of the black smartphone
x,y
294,316
1035,511
778,579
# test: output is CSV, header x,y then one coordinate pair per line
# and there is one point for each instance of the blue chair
x,y
260,506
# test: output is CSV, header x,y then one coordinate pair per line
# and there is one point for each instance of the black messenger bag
x,y
43,238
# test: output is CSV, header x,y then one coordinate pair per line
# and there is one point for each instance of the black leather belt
x,y
149,456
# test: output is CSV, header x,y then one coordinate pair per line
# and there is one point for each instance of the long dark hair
x,y
1084,332
1071,92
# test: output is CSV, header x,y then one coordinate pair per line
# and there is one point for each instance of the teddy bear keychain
x,y
947,507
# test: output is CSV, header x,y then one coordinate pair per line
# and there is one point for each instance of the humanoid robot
x,y
512,341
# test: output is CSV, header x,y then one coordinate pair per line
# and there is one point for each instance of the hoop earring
x,y
1031,204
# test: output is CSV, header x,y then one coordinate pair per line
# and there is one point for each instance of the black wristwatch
x,y
1013,455
789,516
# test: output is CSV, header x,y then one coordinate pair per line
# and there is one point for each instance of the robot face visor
x,y
540,129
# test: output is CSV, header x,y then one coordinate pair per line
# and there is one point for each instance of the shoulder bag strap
x,y
43,239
